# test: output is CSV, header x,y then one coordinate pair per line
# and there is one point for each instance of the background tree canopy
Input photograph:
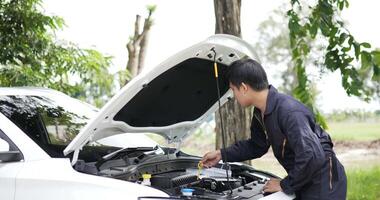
x,y
315,39
359,65
31,55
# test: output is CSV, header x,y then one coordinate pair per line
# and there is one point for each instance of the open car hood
x,y
171,99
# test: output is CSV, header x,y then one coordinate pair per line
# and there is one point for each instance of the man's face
x,y
240,94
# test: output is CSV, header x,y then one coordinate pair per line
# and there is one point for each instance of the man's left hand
x,y
273,185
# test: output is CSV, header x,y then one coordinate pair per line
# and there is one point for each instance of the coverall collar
x,y
271,100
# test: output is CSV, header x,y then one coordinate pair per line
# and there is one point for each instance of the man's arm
x,y
309,155
254,147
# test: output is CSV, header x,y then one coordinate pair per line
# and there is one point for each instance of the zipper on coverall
x,y
263,127
283,148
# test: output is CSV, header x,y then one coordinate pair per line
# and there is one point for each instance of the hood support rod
x,y
221,118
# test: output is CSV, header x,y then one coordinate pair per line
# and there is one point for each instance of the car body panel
x,y
8,174
4,146
56,179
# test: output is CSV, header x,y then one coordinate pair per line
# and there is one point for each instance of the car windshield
x,y
53,120
50,119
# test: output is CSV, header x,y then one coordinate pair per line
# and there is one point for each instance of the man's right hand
x,y
211,158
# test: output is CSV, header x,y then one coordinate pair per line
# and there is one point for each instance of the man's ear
x,y
244,87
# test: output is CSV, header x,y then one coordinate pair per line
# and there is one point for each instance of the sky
x,y
107,24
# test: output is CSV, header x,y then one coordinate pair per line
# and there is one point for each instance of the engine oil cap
x,y
146,179
147,176
187,191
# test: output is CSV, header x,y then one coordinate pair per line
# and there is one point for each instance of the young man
x,y
300,145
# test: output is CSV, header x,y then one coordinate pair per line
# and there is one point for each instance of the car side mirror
x,y
6,155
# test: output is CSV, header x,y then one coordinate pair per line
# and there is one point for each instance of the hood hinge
x,y
75,157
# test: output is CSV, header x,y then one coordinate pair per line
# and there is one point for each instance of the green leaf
x,y
305,48
324,28
365,44
376,57
320,119
346,49
350,40
342,38
366,59
313,30
331,60
295,53
341,5
376,73
334,30
294,1
347,4
357,49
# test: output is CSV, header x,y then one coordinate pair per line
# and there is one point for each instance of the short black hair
x,y
247,71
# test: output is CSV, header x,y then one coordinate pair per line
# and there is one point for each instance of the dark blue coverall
x,y
300,145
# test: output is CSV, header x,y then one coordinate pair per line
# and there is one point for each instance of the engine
x,y
171,173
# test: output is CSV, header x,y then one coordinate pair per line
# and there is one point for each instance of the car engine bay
x,y
171,171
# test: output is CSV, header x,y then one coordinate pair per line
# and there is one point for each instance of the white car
x,y
55,147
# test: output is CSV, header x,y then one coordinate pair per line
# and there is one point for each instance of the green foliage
x,y
363,184
358,64
32,56
151,8
123,77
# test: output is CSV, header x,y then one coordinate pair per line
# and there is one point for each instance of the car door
x,y
9,168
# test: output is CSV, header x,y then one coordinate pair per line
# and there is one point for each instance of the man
x,y
300,145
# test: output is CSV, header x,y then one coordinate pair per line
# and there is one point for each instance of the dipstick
x,y
200,166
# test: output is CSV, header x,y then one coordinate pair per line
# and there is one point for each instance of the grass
x,y
357,131
363,183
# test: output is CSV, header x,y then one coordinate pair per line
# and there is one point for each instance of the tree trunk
x,y
144,43
236,120
142,54
227,17
137,45
132,65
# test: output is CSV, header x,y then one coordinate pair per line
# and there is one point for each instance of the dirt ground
x,y
343,145
356,154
